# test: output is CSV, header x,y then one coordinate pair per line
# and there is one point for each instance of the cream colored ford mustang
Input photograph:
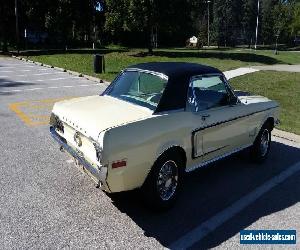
x,y
158,120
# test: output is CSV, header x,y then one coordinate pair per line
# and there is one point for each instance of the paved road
x,y
45,202
248,70
279,67
239,72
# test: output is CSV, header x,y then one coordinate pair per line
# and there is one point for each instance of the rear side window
x,y
141,88
207,92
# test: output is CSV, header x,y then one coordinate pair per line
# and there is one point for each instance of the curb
x,y
286,135
88,77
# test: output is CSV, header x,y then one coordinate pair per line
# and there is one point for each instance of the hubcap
x,y
167,180
264,142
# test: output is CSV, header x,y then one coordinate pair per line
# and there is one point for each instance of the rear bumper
x,y
99,174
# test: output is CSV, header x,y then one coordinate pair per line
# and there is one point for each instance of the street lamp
x,y
276,45
256,31
208,22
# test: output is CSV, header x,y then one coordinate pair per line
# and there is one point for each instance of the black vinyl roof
x,y
179,75
176,68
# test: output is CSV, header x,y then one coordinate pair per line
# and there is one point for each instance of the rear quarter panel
x,y
141,143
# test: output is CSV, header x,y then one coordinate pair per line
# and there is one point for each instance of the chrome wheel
x,y
167,180
264,142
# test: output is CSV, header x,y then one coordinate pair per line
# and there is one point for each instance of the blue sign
x,y
99,6
268,237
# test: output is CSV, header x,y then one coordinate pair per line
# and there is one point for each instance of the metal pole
x,y
256,32
95,36
208,24
276,46
17,25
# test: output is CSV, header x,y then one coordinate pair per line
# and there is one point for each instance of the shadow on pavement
x,y
6,84
244,57
69,51
208,191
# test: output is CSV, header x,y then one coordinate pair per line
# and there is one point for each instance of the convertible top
x,y
177,69
179,74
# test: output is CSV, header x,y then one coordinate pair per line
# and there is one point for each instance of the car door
x,y
218,129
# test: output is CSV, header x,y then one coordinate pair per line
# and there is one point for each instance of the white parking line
x,y
5,71
211,224
48,73
3,76
17,66
64,78
41,74
44,80
57,79
52,87
24,81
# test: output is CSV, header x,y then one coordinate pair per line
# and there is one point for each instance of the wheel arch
x,y
269,121
174,149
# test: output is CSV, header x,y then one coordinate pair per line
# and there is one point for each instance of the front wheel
x,y
261,146
161,187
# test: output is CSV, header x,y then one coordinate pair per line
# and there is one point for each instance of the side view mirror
x,y
233,100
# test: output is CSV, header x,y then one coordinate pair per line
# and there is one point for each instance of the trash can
x,y
99,63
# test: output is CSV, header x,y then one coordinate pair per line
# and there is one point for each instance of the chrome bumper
x,y
98,174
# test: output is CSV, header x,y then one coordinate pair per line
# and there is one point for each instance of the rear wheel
x,y
161,187
261,146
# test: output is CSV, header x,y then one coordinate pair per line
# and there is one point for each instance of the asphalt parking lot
x,y
45,202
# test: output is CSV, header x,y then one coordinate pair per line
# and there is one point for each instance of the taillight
x,y
119,164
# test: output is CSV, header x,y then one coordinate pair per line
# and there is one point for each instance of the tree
x,y
249,20
172,18
283,12
268,21
295,23
227,21
7,24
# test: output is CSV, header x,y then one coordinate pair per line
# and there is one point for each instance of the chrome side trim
x,y
98,174
202,164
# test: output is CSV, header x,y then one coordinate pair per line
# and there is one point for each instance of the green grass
x,y
117,59
283,87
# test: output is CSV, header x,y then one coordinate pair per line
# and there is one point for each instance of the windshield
x,y
144,89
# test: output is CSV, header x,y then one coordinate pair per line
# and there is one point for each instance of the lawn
x,y
117,59
283,87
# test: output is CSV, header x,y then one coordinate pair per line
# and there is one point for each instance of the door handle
x,y
204,116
